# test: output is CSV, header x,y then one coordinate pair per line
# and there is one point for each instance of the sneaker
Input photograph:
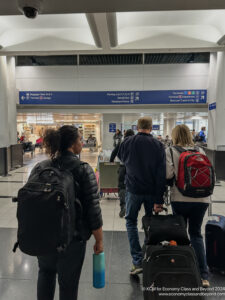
x,y
205,283
122,213
135,270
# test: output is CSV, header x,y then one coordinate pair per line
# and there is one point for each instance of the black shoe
x,y
122,212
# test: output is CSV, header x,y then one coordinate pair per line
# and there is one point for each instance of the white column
x,y
212,83
4,124
12,115
169,124
107,137
216,93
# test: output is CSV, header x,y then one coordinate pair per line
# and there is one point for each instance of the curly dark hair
x,y
129,132
57,141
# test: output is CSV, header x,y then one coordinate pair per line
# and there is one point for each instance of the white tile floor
x,y
110,208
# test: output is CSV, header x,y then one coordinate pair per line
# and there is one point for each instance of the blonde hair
x,y
145,123
181,136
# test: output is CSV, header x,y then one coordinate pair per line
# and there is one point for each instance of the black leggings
x,y
68,266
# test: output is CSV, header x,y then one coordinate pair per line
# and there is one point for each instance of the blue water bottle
x,y
99,270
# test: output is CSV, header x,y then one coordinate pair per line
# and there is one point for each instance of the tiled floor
x,y
18,272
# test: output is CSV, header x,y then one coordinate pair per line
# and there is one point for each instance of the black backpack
x,y
46,211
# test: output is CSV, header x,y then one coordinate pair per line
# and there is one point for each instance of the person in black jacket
x,y
121,177
117,138
145,162
63,145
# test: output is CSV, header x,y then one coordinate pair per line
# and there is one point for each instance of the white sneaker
x,y
135,270
205,283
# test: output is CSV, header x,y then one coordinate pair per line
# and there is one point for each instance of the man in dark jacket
x,y
122,173
144,159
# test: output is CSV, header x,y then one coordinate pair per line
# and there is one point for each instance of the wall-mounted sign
x,y
112,127
212,106
155,127
113,98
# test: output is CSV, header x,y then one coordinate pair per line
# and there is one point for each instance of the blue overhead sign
x,y
112,127
212,106
155,127
113,98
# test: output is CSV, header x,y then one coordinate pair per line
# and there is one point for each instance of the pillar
x,y
107,137
168,126
216,93
12,96
8,123
4,122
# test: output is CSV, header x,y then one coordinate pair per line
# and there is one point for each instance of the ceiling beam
x,y
97,6
112,29
94,30
79,109
102,28
112,51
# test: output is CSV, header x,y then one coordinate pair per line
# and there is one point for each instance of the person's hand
x,y
98,247
158,208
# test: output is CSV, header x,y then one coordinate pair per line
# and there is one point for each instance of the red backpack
x,y
196,177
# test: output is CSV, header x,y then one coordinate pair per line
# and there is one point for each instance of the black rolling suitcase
x,y
170,272
160,228
215,243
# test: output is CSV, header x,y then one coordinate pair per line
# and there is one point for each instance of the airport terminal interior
x,y
100,66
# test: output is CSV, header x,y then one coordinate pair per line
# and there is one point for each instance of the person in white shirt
x,y
193,210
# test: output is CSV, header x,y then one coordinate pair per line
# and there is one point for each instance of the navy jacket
x,y
145,161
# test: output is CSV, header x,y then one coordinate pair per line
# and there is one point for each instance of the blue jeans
x,y
133,206
193,213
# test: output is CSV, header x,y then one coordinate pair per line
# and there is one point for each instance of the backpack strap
x,y
197,148
170,182
171,153
179,149
16,245
182,150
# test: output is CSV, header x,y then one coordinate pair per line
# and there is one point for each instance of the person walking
x,y
145,162
117,138
121,177
192,209
202,135
63,145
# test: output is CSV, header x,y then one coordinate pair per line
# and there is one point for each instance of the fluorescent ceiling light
x,y
196,118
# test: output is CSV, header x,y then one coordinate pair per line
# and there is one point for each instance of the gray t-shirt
x,y
172,170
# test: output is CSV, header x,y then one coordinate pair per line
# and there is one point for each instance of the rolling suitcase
x,y
160,228
170,272
215,243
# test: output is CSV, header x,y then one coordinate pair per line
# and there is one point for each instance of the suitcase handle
x,y
156,213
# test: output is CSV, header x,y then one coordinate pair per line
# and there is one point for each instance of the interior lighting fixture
x,y
196,118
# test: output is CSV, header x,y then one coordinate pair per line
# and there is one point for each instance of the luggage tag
x,y
215,218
